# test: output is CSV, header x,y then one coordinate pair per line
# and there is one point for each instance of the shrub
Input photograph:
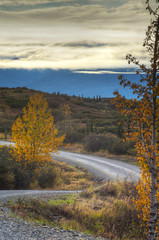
x,y
109,142
22,178
118,147
73,135
46,176
95,142
6,173
6,177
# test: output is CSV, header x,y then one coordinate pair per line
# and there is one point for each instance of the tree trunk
x,y
153,168
153,208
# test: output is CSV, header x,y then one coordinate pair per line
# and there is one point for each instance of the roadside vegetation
x,y
54,175
106,211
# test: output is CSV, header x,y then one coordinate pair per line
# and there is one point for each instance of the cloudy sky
x,y
71,34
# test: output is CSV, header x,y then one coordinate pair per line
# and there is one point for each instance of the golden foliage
x,y
141,114
35,135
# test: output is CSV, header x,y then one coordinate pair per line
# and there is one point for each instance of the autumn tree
x,y
35,135
143,110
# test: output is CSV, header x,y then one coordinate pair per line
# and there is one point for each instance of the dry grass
x,y
72,178
107,211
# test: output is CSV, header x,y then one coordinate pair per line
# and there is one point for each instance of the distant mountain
x,y
19,77
64,81
75,83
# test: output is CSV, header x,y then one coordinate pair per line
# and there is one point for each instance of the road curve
x,y
103,168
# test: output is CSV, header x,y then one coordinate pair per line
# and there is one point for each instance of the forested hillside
x,y
86,115
93,122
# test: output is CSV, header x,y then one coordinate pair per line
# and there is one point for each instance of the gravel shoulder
x,y
14,228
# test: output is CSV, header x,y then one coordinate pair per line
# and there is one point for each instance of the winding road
x,y
103,168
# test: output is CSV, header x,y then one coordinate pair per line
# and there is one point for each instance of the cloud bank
x,y
71,34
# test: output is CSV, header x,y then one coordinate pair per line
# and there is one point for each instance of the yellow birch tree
x,y
35,135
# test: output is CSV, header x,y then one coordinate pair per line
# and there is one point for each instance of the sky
x,y
77,35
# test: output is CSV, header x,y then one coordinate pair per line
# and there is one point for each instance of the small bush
x,y
46,177
94,143
6,172
73,136
22,178
118,147
6,178
108,142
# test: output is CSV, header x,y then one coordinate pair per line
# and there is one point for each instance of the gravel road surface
x,y
103,168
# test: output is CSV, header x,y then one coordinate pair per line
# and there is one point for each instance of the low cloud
x,y
82,44
87,34
103,72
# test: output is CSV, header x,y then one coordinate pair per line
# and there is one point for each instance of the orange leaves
x,y
34,134
141,129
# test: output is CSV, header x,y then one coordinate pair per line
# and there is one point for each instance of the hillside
x,y
96,115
